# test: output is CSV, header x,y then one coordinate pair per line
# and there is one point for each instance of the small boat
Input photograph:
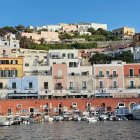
x,y
67,118
47,118
103,117
136,111
58,118
92,119
6,122
122,113
76,118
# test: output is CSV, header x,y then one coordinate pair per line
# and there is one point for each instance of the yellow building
x,y
11,67
125,32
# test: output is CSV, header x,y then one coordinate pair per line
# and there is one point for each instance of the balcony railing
x,y
99,76
132,76
58,77
113,76
113,87
131,87
99,87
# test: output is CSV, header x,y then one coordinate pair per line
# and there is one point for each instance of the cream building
x,y
125,32
47,36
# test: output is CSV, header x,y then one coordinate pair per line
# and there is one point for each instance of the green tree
x,y
2,32
25,42
10,29
20,28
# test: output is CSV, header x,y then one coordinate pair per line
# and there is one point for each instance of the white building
x,y
85,26
136,53
10,42
54,28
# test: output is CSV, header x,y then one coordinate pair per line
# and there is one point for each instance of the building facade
x,y
125,32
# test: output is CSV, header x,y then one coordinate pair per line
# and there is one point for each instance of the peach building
x,y
47,36
108,78
59,76
69,28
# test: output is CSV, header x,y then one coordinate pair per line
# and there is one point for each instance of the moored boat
x,y
136,111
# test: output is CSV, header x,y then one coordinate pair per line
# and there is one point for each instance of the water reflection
x,y
122,130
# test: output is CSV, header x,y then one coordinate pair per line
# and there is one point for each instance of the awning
x,y
22,94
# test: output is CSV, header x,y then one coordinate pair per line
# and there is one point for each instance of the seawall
x,y
40,105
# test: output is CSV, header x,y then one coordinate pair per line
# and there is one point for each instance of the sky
x,y
115,13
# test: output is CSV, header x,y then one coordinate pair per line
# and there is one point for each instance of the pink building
x,y
59,75
108,77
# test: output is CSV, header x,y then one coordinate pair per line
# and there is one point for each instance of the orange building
x,y
51,106
132,76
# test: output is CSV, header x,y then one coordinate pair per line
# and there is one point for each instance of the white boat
x,y
92,119
47,118
103,117
58,118
136,111
76,118
6,123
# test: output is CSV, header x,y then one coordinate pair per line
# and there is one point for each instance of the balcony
x,y
113,87
58,77
99,76
99,88
131,87
132,76
113,76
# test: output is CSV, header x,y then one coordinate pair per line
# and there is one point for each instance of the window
x,y
9,111
121,104
26,64
1,85
132,84
14,62
31,110
45,85
100,73
58,86
63,55
4,52
70,55
107,73
131,72
30,85
14,85
72,64
84,85
100,84
74,105
139,72
70,85
114,84
114,73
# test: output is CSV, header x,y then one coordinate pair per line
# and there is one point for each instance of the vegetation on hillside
x,y
100,58
96,35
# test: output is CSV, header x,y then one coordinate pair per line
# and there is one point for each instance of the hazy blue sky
x,y
115,13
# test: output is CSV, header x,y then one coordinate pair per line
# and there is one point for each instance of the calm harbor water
x,y
122,130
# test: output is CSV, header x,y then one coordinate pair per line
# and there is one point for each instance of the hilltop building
x,y
125,32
